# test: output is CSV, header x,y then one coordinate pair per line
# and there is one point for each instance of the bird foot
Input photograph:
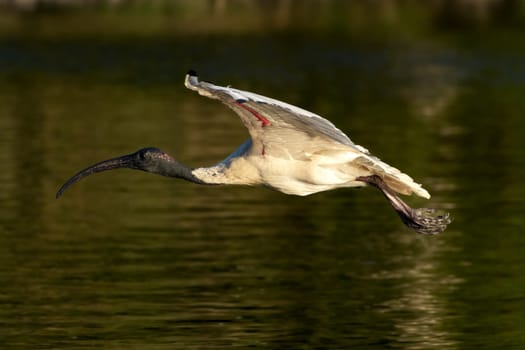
x,y
426,220
422,220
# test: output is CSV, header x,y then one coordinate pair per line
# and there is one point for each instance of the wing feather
x,y
394,178
261,114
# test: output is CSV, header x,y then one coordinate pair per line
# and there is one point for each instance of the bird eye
x,y
143,157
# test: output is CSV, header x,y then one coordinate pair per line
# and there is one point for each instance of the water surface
x,y
130,260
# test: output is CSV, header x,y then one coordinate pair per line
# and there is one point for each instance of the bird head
x,y
149,159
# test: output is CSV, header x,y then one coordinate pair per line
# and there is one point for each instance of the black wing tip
x,y
192,73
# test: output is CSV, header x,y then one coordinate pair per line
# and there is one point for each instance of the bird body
x,y
314,173
290,150
293,151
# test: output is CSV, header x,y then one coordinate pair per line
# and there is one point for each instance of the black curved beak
x,y
110,164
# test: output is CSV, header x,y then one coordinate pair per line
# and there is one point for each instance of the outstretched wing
x,y
262,115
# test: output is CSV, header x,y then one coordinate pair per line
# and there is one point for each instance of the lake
x,y
127,259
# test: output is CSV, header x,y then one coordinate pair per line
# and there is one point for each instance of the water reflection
x,y
430,79
421,309
127,259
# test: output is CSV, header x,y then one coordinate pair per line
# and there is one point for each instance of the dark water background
x,y
128,260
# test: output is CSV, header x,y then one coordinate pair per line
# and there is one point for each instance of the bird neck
x,y
235,171
213,175
177,170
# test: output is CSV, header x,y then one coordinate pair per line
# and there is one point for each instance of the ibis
x,y
290,150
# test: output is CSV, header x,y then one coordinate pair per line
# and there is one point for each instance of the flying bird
x,y
290,150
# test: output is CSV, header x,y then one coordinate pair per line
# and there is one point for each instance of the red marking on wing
x,y
264,121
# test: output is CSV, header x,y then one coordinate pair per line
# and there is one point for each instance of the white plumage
x,y
293,150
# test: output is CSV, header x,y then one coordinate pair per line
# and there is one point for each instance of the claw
x,y
426,220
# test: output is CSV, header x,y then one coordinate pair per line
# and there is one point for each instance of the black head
x,y
152,160
149,159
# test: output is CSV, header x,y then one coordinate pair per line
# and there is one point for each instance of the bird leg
x,y
422,220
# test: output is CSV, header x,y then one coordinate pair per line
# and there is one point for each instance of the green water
x,y
128,260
